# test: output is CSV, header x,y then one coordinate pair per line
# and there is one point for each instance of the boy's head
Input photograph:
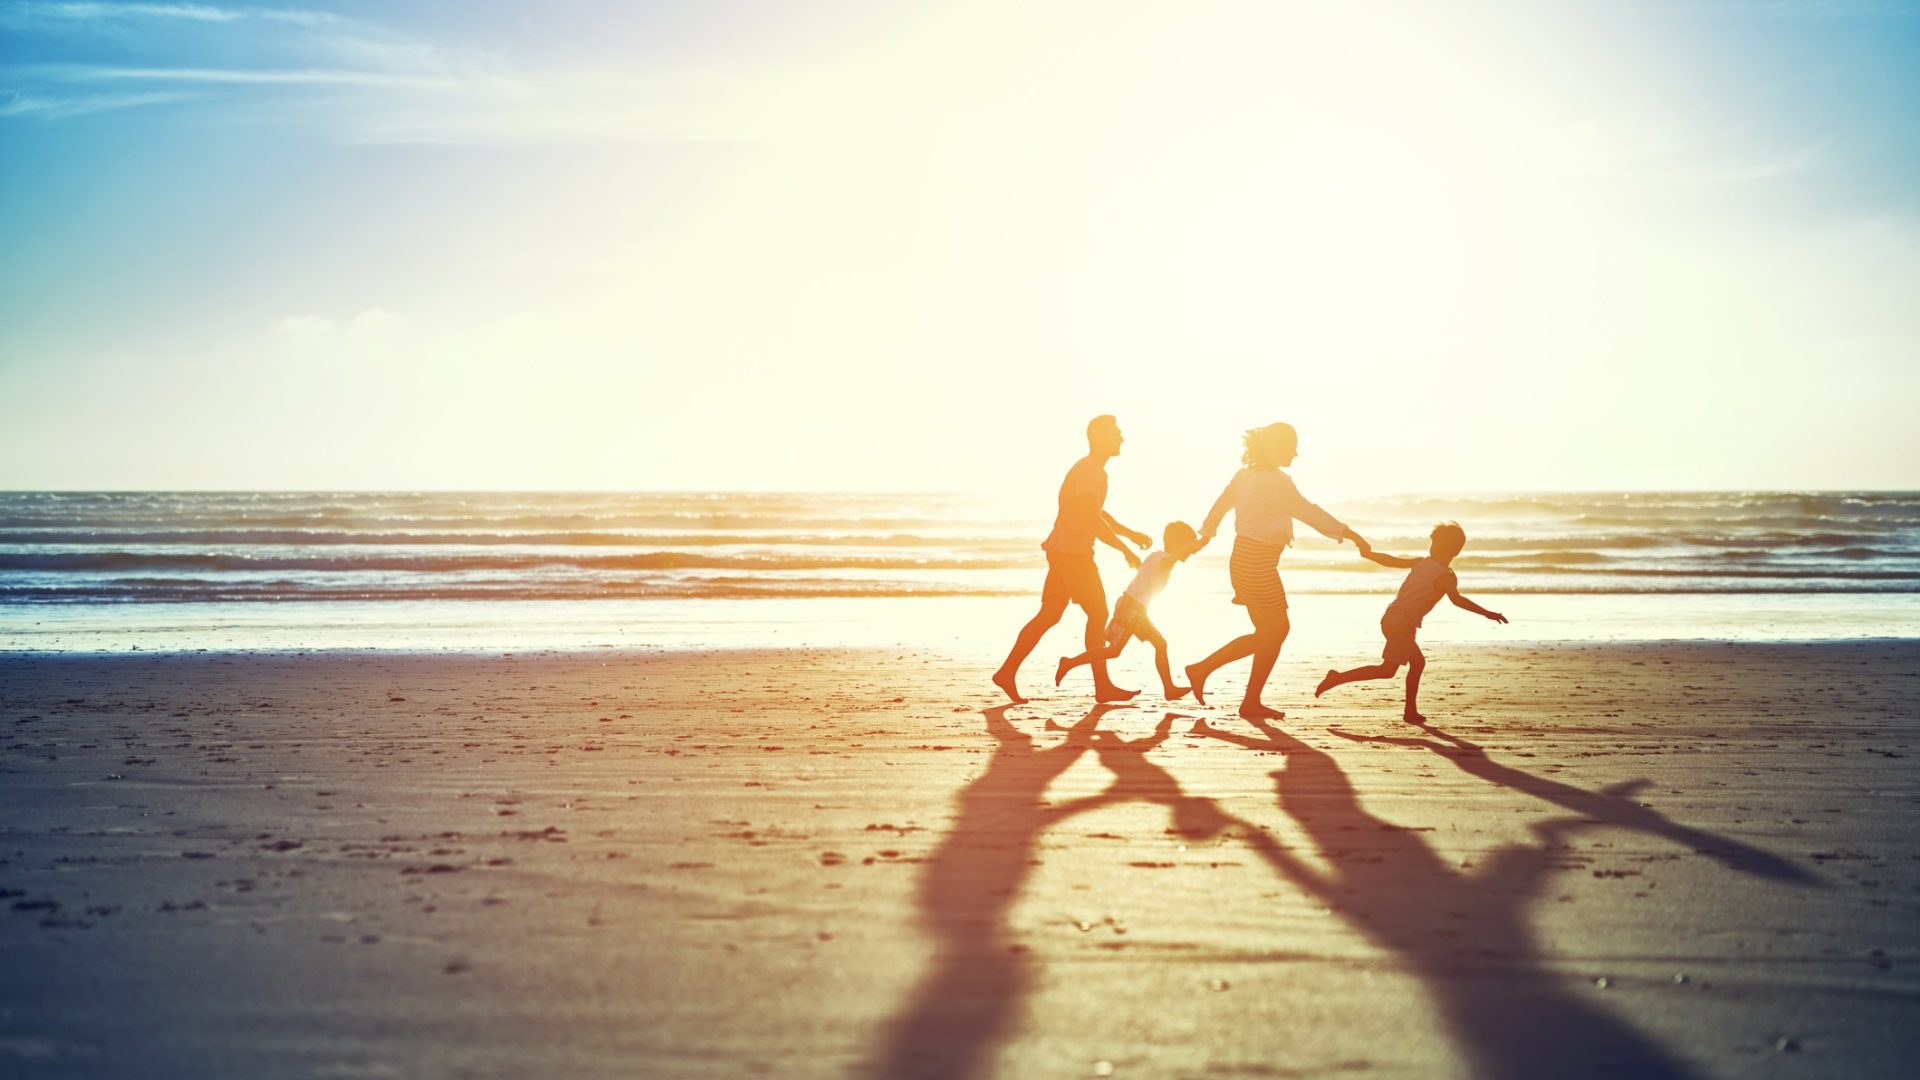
x,y
1179,540
1448,539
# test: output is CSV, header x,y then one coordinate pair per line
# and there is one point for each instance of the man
x,y
1071,574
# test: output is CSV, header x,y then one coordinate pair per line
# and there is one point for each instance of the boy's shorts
x,y
1129,617
1399,632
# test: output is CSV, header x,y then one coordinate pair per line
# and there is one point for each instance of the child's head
x,y
1448,539
1273,445
1179,540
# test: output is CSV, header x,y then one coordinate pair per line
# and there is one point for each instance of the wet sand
x,y
1645,860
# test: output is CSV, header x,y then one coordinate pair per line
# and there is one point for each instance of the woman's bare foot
x,y
1004,680
1415,718
1175,693
1326,684
1253,710
1110,693
1059,673
1198,683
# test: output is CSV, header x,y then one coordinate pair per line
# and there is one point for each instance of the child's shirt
x,y
1152,576
1428,581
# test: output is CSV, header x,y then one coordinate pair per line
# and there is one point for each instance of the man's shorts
x,y
1074,578
1129,617
1399,631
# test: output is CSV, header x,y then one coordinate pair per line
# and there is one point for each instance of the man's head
x,y
1448,539
1271,446
1179,540
1103,436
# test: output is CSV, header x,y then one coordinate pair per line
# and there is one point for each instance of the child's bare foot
x,y
1110,693
1059,673
1175,693
1004,680
1198,683
1326,683
1415,718
1254,710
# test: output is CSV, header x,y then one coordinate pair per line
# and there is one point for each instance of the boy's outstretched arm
x,y
1459,601
1134,535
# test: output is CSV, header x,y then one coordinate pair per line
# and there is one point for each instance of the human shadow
x,y
1463,932
1613,805
1136,779
966,1005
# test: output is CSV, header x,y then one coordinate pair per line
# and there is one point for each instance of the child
x,y
1427,581
1130,614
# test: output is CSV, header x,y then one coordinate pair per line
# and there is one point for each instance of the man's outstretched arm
x,y
1103,531
1140,538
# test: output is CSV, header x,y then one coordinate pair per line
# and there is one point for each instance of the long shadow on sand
x,y
966,1005
1465,933
1612,806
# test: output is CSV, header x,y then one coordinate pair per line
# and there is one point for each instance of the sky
x,y
1460,245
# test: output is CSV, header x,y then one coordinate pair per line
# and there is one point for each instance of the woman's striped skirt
x,y
1255,569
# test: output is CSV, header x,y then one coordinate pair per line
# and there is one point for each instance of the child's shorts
x,y
1129,617
1399,631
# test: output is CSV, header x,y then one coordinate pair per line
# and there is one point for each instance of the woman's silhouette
x,y
1265,503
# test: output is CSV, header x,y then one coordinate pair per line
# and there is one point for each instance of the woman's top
x,y
1264,504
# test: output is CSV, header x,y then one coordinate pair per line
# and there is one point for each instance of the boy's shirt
x,y
1152,577
1428,581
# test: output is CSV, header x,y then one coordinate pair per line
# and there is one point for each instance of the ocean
x,y
294,570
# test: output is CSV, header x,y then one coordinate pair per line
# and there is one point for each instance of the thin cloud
x,y
203,13
307,77
60,108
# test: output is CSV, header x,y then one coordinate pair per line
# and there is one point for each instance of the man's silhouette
x,y
1071,573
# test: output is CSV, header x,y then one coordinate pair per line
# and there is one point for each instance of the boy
x,y
1130,614
1427,581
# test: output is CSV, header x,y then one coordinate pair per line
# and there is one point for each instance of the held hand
x,y
1361,543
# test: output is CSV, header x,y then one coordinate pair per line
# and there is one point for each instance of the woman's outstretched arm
x,y
1220,507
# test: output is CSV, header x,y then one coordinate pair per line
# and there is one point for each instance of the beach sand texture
x,y
1643,860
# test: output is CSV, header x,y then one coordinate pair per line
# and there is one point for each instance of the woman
x,y
1264,504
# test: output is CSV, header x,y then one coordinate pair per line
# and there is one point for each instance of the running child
x,y
1427,581
1130,614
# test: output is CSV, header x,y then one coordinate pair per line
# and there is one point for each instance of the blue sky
x,y
842,245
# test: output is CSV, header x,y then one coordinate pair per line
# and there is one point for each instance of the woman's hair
x,y
1269,445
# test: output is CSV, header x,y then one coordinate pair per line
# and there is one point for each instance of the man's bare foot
x,y
1110,693
1198,684
1175,693
1326,683
1004,680
1253,710
1059,673
1415,718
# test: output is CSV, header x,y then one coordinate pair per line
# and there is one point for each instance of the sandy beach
x,y
1681,860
